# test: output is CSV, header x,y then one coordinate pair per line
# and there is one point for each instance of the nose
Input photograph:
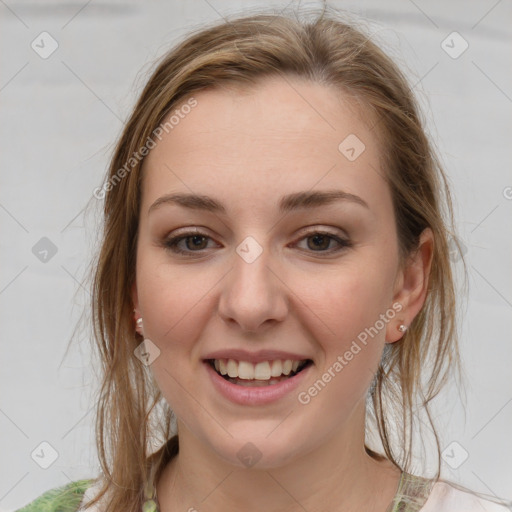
x,y
253,297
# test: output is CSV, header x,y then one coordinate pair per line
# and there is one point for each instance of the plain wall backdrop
x,y
64,96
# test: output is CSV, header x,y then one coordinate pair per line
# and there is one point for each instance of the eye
x,y
321,241
187,243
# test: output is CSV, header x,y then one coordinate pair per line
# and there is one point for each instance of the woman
x,y
274,284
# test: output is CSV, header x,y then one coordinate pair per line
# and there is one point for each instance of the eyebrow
x,y
295,201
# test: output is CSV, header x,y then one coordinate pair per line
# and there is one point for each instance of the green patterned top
x,y
412,495
61,499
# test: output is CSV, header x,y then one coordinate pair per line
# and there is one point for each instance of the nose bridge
x,y
252,295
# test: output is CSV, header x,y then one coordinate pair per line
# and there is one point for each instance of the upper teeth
x,y
261,371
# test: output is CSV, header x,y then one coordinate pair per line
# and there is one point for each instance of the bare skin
x,y
305,295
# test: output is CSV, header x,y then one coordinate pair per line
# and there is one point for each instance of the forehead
x,y
281,134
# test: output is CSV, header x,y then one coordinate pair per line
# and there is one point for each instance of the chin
x,y
259,452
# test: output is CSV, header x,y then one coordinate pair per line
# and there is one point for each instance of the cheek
x,y
348,300
352,305
172,301
176,304
345,370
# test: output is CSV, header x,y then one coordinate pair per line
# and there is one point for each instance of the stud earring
x,y
139,327
402,328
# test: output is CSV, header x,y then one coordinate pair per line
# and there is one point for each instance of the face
x,y
289,253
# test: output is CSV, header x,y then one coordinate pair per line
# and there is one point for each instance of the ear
x,y
411,285
134,296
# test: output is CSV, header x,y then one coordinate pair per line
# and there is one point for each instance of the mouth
x,y
261,374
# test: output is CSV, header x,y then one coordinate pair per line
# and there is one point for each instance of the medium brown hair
x,y
131,412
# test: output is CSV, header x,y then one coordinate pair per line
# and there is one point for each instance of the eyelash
x,y
171,244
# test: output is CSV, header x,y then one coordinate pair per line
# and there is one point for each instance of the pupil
x,y
320,238
196,240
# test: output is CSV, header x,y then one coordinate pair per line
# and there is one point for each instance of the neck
x,y
336,475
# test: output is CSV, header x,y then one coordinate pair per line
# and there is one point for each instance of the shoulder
x,y
66,498
450,497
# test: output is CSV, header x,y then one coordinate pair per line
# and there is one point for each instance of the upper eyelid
x,y
313,228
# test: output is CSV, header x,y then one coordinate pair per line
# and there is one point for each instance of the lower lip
x,y
255,395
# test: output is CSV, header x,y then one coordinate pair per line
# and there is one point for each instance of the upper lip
x,y
254,357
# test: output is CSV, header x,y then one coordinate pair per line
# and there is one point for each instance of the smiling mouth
x,y
265,373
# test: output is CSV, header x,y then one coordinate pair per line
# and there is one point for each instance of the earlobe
x,y
139,327
396,330
412,286
136,315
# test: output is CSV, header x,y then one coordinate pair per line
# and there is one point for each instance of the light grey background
x,y
60,118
